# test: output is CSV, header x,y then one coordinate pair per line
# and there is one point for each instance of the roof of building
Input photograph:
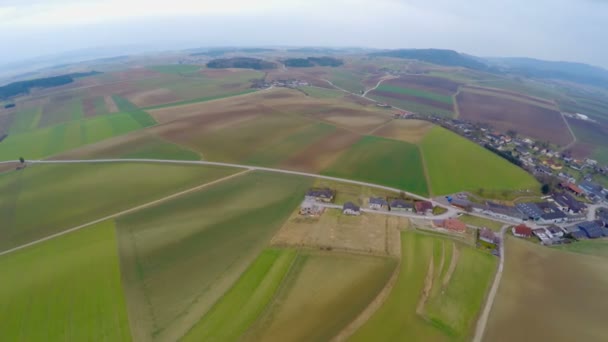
x,y
553,229
589,186
350,206
530,209
423,206
503,209
377,200
522,229
566,200
461,202
323,193
400,203
454,224
487,233
591,229
579,234
574,188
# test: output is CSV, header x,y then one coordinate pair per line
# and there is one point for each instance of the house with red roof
x,y
454,225
522,231
424,207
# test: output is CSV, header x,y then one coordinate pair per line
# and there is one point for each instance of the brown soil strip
x,y
88,106
499,92
428,285
453,263
369,311
110,104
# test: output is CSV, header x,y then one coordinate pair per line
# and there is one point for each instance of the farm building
x,y
320,195
503,211
569,203
310,208
349,208
555,231
543,235
424,207
454,225
488,236
378,203
522,231
401,205
573,188
543,212
591,189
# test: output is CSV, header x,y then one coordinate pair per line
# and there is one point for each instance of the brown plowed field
x,y
499,92
321,154
428,83
110,104
153,97
505,114
120,88
358,120
415,99
8,167
135,73
582,150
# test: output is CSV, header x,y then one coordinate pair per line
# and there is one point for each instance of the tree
x,y
21,160
545,189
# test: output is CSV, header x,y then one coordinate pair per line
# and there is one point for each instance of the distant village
x,y
288,83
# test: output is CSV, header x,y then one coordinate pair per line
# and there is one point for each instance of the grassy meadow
x,y
322,93
175,68
413,106
382,161
456,164
179,257
455,284
417,93
65,289
46,199
544,287
598,247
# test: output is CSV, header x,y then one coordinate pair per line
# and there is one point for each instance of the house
x,y
454,225
320,195
575,189
543,212
461,203
555,231
591,229
378,203
310,208
424,207
349,208
522,231
488,236
591,189
569,203
542,235
401,205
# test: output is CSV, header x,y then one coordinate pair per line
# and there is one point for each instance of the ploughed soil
x,y
505,114
88,106
153,97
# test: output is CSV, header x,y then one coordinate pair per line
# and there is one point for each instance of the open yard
x,y
65,289
178,258
46,199
560,292
382,161
456,164
505,113
438,293
321,294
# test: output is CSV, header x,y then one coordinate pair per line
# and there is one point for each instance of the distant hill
x,y
436,56
214,52
312,61
565,71
241,63
24,87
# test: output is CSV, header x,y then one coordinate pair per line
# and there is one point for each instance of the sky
x,y
566,30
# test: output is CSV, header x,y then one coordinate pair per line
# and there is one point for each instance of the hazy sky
x,y
573,30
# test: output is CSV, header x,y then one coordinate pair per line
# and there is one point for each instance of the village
x,y
557,219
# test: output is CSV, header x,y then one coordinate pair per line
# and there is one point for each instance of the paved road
x,y
124,212
483,319
451,210
443,216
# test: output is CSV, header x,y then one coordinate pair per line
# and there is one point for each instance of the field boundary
x,y
124,212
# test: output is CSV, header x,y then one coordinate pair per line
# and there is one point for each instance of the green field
x,y
382,161
175,68
348,79
416,92
65,289
322,93
45,199
456,164
321,295
451,308
178,258
30,142
60,111
544,287
481,222
244,302
594,135
202,99
596,247
25,120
